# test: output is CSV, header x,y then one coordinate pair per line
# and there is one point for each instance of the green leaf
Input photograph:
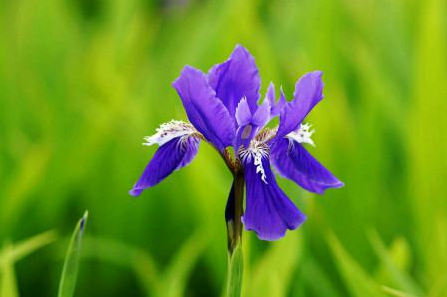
x,y
396,293
170,282
176,274
8,283
235,269
11,253
317,279
357,280
71,265
399,278
272,273
124,255
14,253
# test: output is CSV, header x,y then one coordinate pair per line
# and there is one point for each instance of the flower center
x,y
255,153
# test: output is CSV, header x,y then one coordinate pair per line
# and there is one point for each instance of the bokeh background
x,y
82,81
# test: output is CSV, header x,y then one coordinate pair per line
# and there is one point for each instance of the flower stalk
x,y
233,215
234,212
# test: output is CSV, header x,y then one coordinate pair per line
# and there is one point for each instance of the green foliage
x,y
272,274
235,272
8,283
357,280
69,275
12,253
81,82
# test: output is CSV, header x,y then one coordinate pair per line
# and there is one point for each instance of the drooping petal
x,y
294,162
269,212
308,92
236,78
173,155
206,112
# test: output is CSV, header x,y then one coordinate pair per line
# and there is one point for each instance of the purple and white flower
x,y
225,109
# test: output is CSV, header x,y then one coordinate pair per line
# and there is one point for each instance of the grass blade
x,y
8,283
175,277
396,293
11,253
400,278
71,265
357,280
272,275
23,248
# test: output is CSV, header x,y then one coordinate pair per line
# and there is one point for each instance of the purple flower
x,y
225,109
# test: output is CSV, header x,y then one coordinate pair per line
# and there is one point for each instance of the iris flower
x,y
224,108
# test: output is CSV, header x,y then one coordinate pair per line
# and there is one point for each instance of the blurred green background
x,y
82,81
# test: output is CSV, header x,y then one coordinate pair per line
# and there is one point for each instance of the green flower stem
x,y
235,269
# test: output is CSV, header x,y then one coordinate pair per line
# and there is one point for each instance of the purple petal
x,y
279,106
248,124
243,113
308,92
262,115
276,107
171,156
269,212
207,113
236,78
294,162
270,95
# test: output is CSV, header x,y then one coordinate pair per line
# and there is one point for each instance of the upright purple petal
x,y
262,115
276,107
249,124
269,212
279,106
207,113
171,156
270,94
236,78
308,92
294,162
243,113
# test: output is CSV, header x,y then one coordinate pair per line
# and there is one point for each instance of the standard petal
x,y
207,113
248,124
308,92
243,113
236,78
270,95
269,212
294,162
171,156
262,115
276,107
